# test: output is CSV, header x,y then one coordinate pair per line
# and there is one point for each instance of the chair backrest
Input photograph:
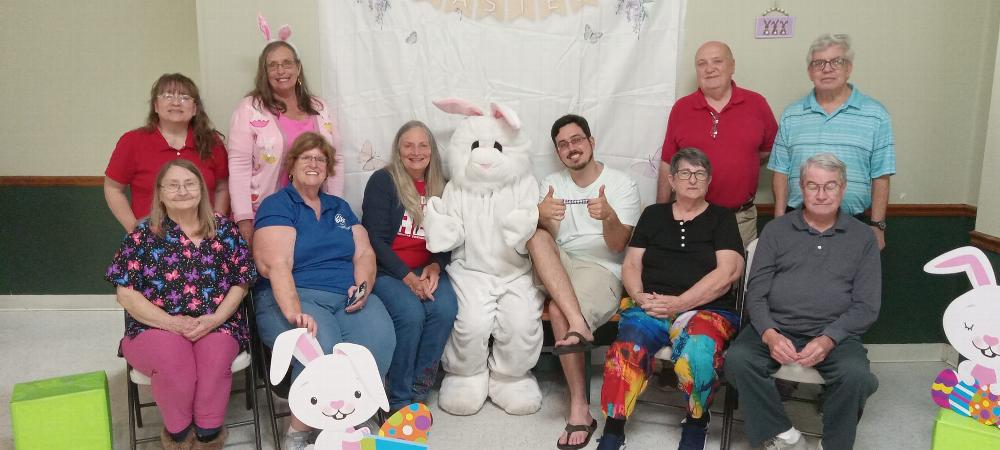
x,y
741,287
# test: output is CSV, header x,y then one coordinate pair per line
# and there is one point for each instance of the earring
x,y
299,81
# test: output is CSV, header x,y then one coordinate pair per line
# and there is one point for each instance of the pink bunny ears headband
x,y
283,33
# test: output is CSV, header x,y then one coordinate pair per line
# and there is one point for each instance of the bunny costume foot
x,y
463,395
517,395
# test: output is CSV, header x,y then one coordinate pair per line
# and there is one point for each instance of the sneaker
x,y
694,433
295,440
611,442
777,443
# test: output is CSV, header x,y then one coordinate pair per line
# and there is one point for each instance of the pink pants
x,y
191,380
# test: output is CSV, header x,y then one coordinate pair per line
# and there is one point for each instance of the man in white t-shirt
x,y
585,219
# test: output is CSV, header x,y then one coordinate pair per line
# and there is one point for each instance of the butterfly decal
x,y
186,253
369,159
590,35
133,265
157,252
649,167
193,304
172,259
123,281
148,292
218,299
224,285
169,237
209,273
216,246
412,38
113,269
230,242
207,259
190,289
173,296
149,271
191,276
158,302
184,240
159,285
206,293
173,275
129,250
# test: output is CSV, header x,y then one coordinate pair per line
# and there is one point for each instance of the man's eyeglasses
x,y
287,64
171,97
573,141
307,158
174,188
835,63
830,188
687,174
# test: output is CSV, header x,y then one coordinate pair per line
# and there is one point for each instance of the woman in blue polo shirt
x,y
313,255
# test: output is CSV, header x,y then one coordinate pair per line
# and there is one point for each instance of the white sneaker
x,y
777,443
295,440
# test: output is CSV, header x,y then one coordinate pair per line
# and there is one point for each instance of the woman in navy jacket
x,y
411,281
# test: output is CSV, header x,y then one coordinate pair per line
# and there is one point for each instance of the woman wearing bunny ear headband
x,y
177,127
180,277
267,121
317,267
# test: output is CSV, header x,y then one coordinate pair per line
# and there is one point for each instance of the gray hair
x,y
693,156
828,40
827,162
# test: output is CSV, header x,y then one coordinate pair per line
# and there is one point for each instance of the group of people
x,y
813,290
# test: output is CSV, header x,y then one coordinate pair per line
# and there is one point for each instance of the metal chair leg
x,y
727,420
132,410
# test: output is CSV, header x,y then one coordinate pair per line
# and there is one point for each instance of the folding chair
x,y
134,378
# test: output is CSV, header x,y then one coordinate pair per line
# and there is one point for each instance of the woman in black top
x,y
679,268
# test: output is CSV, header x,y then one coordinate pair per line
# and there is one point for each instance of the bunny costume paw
x,y
516,395
463,395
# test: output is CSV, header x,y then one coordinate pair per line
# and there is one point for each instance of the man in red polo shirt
x,y
735,127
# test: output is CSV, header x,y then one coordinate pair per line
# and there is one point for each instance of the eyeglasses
x,y
573,141
687,174
171,97
287,64
830,188
174,188
307,158
835,63
715,124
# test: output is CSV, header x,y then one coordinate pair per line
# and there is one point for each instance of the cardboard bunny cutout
x,y
972,326
335,392
485,216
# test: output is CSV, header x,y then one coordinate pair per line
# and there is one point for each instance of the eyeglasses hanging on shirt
x,y
715,124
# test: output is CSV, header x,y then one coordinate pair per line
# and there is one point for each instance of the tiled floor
x,y
46,343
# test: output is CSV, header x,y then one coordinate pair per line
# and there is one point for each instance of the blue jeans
x,y
370,327
422,330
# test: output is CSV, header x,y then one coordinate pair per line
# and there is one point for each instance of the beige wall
x,y
936,84
988,212
929,62
76,75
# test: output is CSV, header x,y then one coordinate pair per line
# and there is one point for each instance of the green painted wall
x,y
58,240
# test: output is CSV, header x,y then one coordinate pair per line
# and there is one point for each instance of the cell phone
x,y
358,293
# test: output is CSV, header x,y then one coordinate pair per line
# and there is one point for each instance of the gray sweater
x,y
808,283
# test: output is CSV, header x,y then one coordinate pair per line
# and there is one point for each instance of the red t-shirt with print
x,y
410,244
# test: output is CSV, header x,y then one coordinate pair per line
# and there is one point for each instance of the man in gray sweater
x,y
814,288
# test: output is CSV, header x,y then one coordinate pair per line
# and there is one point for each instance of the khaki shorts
x,y
597,289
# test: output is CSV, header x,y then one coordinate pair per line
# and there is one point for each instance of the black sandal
x,y
570,429
582,346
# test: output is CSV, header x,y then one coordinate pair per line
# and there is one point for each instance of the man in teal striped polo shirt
x,y
836,118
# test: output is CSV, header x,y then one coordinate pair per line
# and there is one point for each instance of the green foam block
x,y
953,431
66,412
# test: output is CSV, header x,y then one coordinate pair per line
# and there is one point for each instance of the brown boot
x,y
214,444
170,444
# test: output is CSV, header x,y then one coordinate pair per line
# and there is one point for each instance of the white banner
x,y
611,61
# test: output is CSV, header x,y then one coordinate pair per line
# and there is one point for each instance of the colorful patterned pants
x,y
697,353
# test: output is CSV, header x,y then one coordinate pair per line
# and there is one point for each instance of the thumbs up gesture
x,y
551,208
599,208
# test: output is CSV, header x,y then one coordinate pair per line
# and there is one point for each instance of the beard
x,y
579,164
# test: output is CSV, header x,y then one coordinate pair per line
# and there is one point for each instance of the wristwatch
x,y
878,224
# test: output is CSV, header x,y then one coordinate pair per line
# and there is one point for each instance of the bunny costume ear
x,y
458,106
506,114
970,260
366,370
297,342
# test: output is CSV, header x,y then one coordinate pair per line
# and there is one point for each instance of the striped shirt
x,y
859,133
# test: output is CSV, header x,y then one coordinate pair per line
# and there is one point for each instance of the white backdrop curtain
x,y
611,61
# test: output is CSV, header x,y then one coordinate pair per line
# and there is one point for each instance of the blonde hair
x,y
158,212
433,178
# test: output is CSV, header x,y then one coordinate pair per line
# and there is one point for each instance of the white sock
x,y
790,435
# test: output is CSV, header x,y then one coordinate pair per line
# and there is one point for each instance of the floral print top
x,y
183,278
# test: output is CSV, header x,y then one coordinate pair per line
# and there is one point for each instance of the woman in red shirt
x,y
177,128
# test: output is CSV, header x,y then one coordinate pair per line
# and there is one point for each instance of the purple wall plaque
x,y
775,27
